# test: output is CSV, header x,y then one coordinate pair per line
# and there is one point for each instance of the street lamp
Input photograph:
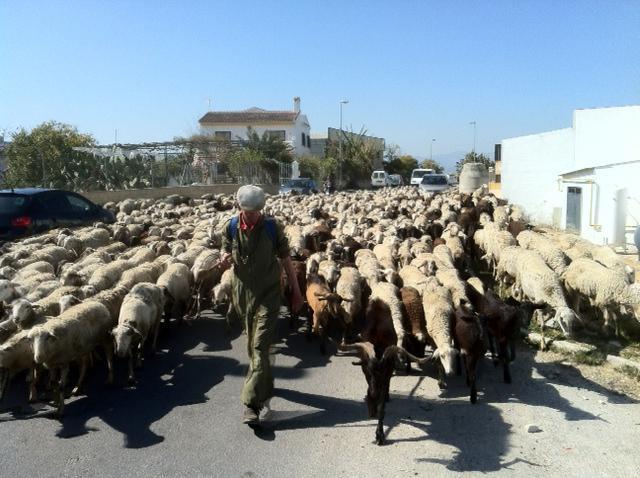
x,y
431,149
474,135
342,102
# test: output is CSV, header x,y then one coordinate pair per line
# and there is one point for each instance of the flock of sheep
x,y
403,276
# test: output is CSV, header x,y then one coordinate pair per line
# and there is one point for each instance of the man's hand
x,y
296,301
225,261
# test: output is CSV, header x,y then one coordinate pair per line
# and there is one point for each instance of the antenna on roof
x,y
209,100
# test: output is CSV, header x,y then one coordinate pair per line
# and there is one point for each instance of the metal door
x,y
574,207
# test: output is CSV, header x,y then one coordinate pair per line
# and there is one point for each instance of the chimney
x,y
296,104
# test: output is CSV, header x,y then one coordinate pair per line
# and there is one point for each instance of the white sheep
x,y
412,276
605,288
552,255
140,315
70,337
16,355
349,287
390,295
175,283
438,312
107,275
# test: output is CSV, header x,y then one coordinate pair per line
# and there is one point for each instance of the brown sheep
x,y
325,305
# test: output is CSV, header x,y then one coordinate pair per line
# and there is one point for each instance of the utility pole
x,y
431,149
342,102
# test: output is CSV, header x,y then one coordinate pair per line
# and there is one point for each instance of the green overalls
x,y
256,299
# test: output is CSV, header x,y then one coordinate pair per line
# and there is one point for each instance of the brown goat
x,y
324,305
378,354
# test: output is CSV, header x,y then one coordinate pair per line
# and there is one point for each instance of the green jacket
x,y
256,280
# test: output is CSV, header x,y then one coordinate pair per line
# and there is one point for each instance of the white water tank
x,y
473,176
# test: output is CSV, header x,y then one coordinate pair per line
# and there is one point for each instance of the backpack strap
x,y
269,225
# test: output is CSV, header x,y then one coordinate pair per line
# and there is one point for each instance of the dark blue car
x,y
300,186
32,210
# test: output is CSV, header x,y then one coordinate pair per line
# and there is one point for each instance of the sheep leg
x,y
62,383
156,331
441,383
470,363
131,379
504,358
108,353
380,427
608,328
32,378
83,371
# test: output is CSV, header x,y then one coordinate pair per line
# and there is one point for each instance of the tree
x,y
269,145
431,164
474,157
41,157
358,156
402,165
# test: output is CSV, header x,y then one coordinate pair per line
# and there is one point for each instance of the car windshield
x,y
434,179
296,183
11,203
419,174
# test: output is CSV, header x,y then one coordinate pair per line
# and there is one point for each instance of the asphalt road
x,y
183,419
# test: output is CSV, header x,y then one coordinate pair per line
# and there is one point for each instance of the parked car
x,y
417,174
33,210
379,179
395,180
434,183
299,185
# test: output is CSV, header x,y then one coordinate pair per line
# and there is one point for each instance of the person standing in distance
x,y
253,243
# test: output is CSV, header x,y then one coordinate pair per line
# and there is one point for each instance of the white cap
x,y
250,198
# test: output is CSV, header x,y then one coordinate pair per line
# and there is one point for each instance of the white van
x,y
416,175
379,179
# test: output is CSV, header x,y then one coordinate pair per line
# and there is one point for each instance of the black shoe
x,y
250,416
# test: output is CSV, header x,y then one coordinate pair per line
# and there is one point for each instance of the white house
x,y
584,178
291,126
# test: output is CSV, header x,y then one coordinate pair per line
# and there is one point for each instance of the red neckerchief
x,y
244,226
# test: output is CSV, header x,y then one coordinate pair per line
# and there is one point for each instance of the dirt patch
x,y
605,375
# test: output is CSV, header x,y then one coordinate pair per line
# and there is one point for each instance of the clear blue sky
x,y
411,70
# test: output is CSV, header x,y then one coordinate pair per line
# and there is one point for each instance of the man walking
x,y
253,243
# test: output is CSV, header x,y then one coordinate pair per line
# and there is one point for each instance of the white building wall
x,y
606,136
530,169
293,132
610,209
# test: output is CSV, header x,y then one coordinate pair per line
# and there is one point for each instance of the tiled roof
x,y
252,115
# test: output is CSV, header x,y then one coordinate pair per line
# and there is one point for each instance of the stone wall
x,y
101,197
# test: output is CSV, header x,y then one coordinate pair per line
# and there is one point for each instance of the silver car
x,y
434,183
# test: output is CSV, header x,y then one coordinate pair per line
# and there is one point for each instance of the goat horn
x,y
413,358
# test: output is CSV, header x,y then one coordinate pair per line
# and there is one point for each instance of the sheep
x,y
608,258
51,254
325,305
390,294
143,273
605,288
454,243
349,287
175,283
443,258
16,355
416,326
50,305
438,313
467,337
313,262
206,272
378,353
140,315
110,298
7,328
551,254
385,253
413,277
539,285
330,272
450,279
106,276
69,337
426,263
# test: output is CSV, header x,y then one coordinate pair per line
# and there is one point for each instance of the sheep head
x,y
447,356
22,313
68,301
124,336
41,340
7,290
332,302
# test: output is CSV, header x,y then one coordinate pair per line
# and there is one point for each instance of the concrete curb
x,y
565,346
